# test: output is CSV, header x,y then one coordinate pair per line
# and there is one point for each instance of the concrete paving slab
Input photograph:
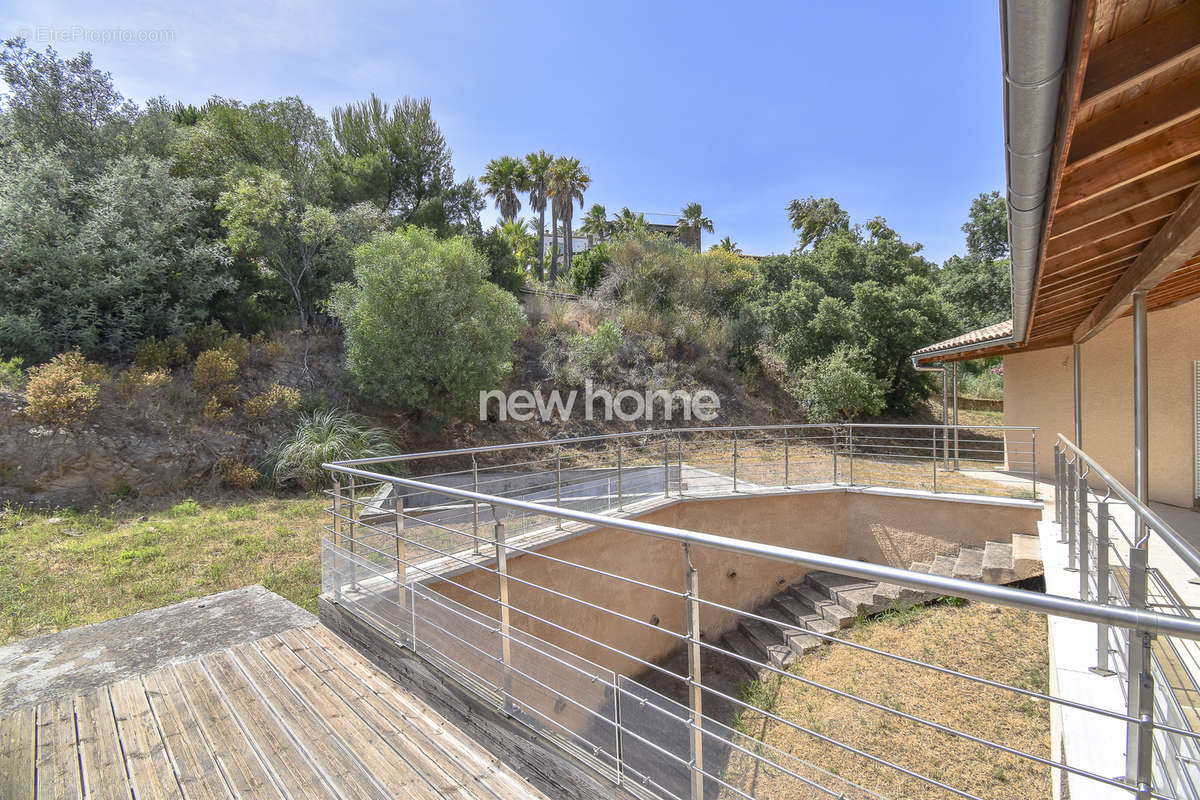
x,y
75,660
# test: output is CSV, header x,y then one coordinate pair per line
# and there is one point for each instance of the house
x,y
1102,119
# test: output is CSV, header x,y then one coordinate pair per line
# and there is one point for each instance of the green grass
x,y
65,568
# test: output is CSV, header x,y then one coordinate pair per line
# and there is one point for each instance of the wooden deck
x,y
295,715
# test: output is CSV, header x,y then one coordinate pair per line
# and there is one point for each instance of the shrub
x,y
215,375
160,354
12,374
841,386
236,347
135,382
277,397
425,330
587,269
233,474
64,390
321,437
214,411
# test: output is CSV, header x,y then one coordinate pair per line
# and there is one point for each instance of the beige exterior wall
x,y
858,525
1038,390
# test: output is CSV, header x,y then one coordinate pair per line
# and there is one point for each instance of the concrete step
x,y
797,637
740,644
1026,556
898,596
861,600
942,565
829,610
831,583
801,613
769,641
969,564
997,563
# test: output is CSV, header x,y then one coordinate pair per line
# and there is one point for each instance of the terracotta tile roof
x,y
981,336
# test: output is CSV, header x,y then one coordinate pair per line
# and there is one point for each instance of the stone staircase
x,y
825,602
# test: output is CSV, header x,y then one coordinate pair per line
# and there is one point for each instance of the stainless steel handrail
x,y
1185,551
1148,621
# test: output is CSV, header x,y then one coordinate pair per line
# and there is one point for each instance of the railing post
x,y
666,465
1101,667
401,567
558,484
620,477
1082,538
1058,498
679,459
1068,533
787,458
850,448
935,476
475,504
735,460
1033,448
1138,664
835,455
353,535
695,694
337,536
935,459
503,614
1140,747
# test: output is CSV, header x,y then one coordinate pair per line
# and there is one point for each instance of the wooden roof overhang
x,y
1123,203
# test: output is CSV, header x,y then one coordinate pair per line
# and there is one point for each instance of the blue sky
x,y
892,108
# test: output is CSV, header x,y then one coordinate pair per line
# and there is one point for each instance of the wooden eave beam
x,y
1171,248
1141,53
1149,113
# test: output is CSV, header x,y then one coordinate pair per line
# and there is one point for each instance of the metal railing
x,y
1108,531
553,641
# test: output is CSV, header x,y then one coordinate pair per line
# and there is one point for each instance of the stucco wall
x,y
1038,391
865,526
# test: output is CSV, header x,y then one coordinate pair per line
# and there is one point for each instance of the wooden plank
x,y
1130,163
1175,179
1142,52
287,761
198,773
150,770
100,758
1171,248
444,773
438,732
18,743
1153,211
57,751
1127,123
235,755
361,732
1129,241
337,761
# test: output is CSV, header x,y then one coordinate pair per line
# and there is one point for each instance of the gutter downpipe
x,y
1034,37
945,409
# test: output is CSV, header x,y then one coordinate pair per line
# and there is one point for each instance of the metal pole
x,y
620,477
475,503
1082,538
787,459
1141,427
1077,384
1072,508
1137,650
679,459
935,459
1058,516
353,536
1101,667
401,571
850,447
558,484
945,418
337,536
694,679
735,460
1144,751
503,611
1033,456
955,385
835,455
666,466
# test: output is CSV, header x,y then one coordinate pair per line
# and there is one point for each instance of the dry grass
x,y
998,643
63,569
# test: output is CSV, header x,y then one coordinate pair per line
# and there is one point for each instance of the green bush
x,y
503,268
425,330
321,437
159,354
64,391
841,386
215,376
587,269
12,374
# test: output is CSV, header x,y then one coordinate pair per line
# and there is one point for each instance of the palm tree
x,y
568,181
519,237
596,222
728,245
691,222
537,168
628,222
503,179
